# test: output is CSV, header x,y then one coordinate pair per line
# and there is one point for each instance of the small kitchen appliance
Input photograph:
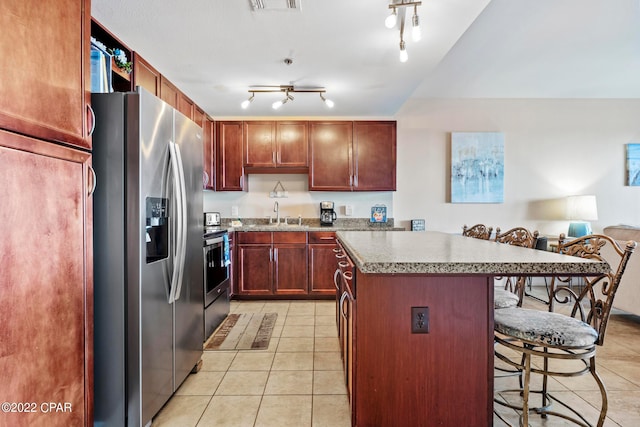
x,y
211,219
327,213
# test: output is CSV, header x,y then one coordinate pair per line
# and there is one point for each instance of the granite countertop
x,y
313,224
432,252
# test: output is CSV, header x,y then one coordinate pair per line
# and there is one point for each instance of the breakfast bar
x,y
416,322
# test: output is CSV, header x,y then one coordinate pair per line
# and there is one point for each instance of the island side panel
x,y
444,377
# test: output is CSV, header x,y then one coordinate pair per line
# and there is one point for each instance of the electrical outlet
x,y
348,210
419,320
234,211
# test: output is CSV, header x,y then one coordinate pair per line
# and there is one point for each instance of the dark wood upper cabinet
x,y
330,156
199,116
185,105
352,156
168,92
259,144
229,155
145,75
208,136
292,144
374,154
45,71
273,144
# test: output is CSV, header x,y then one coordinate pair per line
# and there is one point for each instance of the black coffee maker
x,y
327,214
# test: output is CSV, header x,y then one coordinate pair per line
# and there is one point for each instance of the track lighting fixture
x,y
390,22
288,90
246,102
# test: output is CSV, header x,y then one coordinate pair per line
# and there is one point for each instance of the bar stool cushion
x,y
504,299
543,327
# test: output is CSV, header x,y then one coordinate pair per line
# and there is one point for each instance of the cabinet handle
x,y
94,181
342,298
343,264
206,178
328,238
278,158
273,157
242,182
92,114
348,275
341,255
337,250
335,278
355,180
270,255
350,180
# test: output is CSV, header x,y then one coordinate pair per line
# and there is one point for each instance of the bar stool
x,y
478,231
527,339
513,292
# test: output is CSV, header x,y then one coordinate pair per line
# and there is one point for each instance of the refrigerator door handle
x,y
177,188
182,218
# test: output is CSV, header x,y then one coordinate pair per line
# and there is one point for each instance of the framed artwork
x,y
633,164
477,167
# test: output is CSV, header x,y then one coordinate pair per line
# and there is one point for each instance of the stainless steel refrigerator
x,y
148,264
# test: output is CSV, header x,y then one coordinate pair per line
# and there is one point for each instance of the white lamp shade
x,y
582,208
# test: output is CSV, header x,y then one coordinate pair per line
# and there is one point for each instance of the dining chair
x,y
478,231
528,340
513,293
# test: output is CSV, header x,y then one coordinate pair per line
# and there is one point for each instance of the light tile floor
x,y
298,381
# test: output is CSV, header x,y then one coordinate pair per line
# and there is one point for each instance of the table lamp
x,y
581,210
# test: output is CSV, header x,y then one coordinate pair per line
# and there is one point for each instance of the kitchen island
x,y
417,323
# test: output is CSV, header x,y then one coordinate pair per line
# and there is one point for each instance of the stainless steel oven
x,y
217,269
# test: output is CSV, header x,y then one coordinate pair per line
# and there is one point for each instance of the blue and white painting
x,y
633,164
477,167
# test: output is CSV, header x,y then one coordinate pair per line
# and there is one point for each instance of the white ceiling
x,y
214,50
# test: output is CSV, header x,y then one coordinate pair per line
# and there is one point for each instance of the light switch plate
x,y
348,210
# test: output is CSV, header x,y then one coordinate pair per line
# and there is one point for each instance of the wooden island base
x,y
440,378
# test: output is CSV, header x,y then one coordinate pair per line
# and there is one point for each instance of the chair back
x,y
478,231
593,301
517,236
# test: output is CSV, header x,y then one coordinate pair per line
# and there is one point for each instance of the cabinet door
x,y
208,180
43,69
255,271
229,170
290,269
168,92
199,116
259,144
374,152
292,144
322,266
145,75
46,285
185,105
330,163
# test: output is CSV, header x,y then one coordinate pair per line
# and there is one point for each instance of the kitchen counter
x,y
434,252
418,323
313,224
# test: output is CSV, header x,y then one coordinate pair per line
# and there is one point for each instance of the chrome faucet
x,y
276,209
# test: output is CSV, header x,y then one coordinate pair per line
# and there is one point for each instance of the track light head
x,y
329,103
404,56
391,20
416,32
246,102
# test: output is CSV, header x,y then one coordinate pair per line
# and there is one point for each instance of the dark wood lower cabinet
x,y
272,264
46,284
322,263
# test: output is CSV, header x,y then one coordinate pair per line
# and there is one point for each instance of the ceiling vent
x,y
260,5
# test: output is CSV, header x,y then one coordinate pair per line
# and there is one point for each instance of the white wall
x,y
256,203
553,148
